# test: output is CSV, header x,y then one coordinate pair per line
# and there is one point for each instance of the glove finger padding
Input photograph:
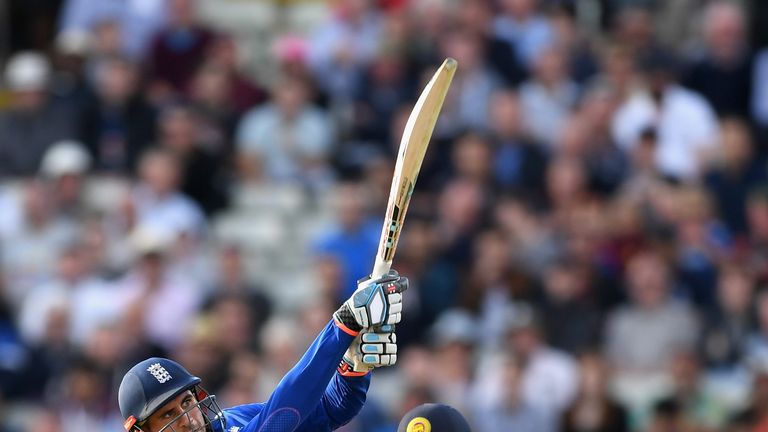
x,y
370,350
379,349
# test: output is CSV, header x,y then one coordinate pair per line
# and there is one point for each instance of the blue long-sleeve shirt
x,y
311,397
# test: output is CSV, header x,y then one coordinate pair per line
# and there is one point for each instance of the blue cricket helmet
x,y
154,382
433,418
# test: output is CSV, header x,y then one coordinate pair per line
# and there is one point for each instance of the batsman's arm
x,y
342,401
296,397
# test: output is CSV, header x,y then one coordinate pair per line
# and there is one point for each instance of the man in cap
x,y
34,120
324,391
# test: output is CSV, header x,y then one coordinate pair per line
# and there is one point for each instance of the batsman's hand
x,y
376,302
370,349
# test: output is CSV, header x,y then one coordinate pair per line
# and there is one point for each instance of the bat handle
x,y
380,268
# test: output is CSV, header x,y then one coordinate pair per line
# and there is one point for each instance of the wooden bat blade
x,y
413,147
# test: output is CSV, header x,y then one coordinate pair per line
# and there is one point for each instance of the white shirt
x,y
168,310
172,214
685,123
760,88
85,312
549,381
545,110
282,144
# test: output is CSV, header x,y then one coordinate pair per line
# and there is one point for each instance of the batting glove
x,y
370,350
375,303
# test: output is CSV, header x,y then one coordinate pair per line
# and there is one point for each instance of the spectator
x,y
84,390
733,173
723,72
149,288
643,336
36,242
607,164
243,93
460,209
117,123
467,102
69,80
593,409
667,325
472,160
136,23
549,377
493,285
234,321
756,350
567,191
176,50
354,240
453,338
65,165
565,296
434,282
548,96
287,140
668,416
700,406
233,282
521,25
500,54
685,123
64,292
759,101
753,417
574,42
756,252
633,29
728,325
700,239
343,46
209,95
618,70
512,412
519,160
385,85
158,201
202,164
35,120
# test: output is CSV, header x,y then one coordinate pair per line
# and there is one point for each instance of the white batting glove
x,y
370,349
375,303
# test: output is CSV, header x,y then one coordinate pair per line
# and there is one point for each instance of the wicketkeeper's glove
x,y
370,349
375,303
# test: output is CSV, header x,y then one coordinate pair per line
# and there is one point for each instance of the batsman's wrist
x,y
347,368
346,318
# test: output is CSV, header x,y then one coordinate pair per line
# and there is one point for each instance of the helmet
x,y
156,381
435,418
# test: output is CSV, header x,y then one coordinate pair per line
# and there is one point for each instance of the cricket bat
x,y
413,146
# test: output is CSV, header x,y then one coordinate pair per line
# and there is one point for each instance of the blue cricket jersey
x,y
311,397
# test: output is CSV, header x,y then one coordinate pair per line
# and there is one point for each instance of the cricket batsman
x,y
322,392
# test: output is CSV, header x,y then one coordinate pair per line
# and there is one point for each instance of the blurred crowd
x,y
205,179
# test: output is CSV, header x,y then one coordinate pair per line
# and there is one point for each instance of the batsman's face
x,y
182,414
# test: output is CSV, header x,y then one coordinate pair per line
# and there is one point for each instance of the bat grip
x,y
380,268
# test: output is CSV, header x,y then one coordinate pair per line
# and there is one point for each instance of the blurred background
x,y
205,179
